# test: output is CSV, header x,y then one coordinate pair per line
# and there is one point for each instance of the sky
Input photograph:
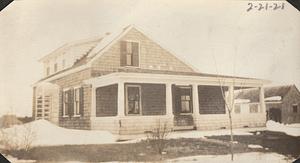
x,y
214,36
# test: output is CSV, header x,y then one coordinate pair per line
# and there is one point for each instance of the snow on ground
x,y
15,160
256,157
273,98
292,130
44,133
241,101
203,134
255,146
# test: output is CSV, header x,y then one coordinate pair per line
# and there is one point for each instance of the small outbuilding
x,y
282,102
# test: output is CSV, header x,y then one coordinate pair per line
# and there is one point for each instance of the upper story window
x,y
63,63
47,71
129,53
55,67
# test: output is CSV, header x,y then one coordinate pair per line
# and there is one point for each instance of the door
x,y
182,105
275,114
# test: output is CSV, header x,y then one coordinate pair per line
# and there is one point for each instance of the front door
x,y
183,106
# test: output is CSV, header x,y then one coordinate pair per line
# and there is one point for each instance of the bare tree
x,y
17,138
157,137
229,101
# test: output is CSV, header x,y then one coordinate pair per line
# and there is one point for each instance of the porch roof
x,y
154,76
149,71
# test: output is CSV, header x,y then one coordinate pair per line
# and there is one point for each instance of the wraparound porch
x,y
133,103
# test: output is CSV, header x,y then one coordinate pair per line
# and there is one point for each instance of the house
x,y
126,83
282,102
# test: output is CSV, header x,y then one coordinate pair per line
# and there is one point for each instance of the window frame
x,y
55,67
190,100
257,108
47,70
294,107
74,102
126,99
237,107
139,53
65,92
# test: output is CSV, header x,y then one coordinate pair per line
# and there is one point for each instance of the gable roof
x,y
85,51
253,94
90,49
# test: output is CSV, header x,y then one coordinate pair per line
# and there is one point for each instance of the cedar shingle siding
x,y
151,56
107,101
211,100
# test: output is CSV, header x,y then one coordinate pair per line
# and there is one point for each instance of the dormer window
x,y
129,53
55,67
63,64
47,71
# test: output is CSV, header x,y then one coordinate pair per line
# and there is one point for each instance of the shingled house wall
x,y
151,56
70,81
287,114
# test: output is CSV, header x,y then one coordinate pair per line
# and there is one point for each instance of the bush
x,y
157,137
18,138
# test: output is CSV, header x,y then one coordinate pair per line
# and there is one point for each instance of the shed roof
x,y
253,93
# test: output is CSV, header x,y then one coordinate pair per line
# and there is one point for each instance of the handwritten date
x,y
265,6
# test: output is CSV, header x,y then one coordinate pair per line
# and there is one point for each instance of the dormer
x,y
67,55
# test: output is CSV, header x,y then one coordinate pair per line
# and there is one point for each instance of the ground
x,y
181,147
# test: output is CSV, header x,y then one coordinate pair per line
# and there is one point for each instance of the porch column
x,y
196,111
262,100
121,108
169,103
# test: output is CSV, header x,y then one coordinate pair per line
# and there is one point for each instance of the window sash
x,y
76,101
133,102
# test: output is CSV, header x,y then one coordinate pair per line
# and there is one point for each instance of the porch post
x,y
196,111
121,108
169,103
262,100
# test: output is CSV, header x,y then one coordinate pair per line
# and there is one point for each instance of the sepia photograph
x,y
149,81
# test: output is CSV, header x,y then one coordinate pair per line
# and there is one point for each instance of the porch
x,y
134,103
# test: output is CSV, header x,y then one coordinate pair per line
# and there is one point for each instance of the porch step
x,y
182,128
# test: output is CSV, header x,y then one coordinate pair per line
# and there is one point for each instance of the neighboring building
x,y
126,83
9,120
282,102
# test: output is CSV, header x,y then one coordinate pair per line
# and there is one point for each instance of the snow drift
x,y
292,130
44,133
256,157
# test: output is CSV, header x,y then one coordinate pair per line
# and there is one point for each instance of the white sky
x,y
262,44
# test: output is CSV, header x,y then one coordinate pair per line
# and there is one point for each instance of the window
x,y
55,67
185,104
133,99
129,53
295,108
66,107
185,99
253,108
77,101
63,63
73,102
48,71
237,109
